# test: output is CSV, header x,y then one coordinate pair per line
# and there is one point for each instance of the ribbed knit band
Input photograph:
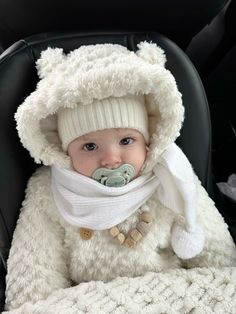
x,y
113,112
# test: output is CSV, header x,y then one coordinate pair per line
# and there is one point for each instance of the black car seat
x,y
18,78
178,20
213,52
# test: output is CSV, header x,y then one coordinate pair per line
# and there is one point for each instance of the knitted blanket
x,y
199,290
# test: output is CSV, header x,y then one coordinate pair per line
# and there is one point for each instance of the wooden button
x,y
85,233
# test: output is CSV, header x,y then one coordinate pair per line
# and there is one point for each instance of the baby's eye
x,y
90,146
127,141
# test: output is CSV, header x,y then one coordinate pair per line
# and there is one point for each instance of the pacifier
x,y
114,177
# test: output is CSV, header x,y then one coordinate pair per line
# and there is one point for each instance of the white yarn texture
x,y
201,291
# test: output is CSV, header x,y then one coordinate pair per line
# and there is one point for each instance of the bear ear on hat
x,y
151,53
48,61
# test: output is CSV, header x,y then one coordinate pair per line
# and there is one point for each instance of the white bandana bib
x,y
83,202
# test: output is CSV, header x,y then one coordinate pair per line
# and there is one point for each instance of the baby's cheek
x,y
75,165
86,167
141,157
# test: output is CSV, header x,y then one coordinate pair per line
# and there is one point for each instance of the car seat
x,y
18,78
178,20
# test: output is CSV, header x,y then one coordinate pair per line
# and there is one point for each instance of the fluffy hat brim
x,y
97,72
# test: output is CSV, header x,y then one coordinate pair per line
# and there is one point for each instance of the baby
x,y
108,147
116,196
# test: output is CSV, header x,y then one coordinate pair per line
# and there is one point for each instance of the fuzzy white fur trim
x,y
151,53
97,72
50,58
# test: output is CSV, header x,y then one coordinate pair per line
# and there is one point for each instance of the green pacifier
x,y
114,177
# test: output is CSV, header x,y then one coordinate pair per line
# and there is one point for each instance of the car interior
x,y
198,38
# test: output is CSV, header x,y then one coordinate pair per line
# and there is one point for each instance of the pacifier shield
x,y
115,181
114,177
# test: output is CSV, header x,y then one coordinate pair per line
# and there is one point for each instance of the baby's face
x,y
109,149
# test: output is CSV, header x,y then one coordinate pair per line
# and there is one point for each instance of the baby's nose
x,y
111,159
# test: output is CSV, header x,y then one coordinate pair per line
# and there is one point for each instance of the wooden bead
x,y
114,231
129,242
121,238
85,233
143,227
136,235
146,217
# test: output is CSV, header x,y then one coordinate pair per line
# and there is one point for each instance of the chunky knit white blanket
x,y
199,290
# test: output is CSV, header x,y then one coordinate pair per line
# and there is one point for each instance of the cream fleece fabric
x,y
51,269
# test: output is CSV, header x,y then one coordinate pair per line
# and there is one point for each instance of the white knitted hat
x,y
113,112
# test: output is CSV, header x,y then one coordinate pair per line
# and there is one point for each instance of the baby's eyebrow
x,y
126,132
87,138
123,131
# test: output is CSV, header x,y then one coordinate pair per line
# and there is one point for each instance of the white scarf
x,y
86,203
83,202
